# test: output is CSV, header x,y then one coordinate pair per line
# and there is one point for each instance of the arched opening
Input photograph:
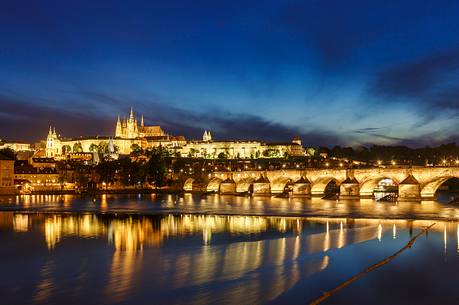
x,y
324,187
214,185
444,190
188,185
380,189
386,190
331,190
280,185
245,185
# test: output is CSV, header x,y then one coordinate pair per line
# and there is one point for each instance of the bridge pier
x,y
302,188
409,189
262,186
349,189
228,186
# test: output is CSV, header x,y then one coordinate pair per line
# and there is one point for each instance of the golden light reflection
x,y
21,222
394,231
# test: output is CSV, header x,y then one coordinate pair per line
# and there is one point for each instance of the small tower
x,y
118,129
296,140
52,143
141,122
205,136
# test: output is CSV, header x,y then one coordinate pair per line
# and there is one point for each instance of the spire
x,y
131,115
50,132
54,132
141,121
204,136
209,136
118,120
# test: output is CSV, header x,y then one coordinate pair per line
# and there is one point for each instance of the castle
x,y
129,129
130,135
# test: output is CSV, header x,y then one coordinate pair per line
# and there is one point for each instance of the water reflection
x,y
196,259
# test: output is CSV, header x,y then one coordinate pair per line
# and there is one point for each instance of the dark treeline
x,y
445,153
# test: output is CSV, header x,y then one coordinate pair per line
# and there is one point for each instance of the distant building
x,y
36,177
7,177
213,149
127,133
130,135
17,146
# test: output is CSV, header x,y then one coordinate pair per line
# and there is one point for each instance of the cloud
x,y
27,120
417,78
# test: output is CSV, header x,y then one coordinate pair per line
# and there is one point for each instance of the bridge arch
x,y
319,185
368,186
214,184
245,185
430,188
188,185
278,185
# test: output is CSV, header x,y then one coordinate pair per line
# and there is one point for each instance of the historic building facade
x,y
208,148
129,135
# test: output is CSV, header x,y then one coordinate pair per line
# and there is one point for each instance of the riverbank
x,y
213,204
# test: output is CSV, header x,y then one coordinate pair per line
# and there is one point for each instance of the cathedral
x,y
130,129
130,134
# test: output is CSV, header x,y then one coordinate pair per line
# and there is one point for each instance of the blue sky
x,y
334,72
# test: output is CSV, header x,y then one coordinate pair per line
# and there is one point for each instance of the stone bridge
x,y
413,183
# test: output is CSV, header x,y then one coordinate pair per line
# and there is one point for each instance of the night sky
x,y
334,72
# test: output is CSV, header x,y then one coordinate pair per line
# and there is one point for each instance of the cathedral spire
x,y
131,115
50,130
141,121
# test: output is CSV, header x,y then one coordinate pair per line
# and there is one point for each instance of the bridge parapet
x,y
429,180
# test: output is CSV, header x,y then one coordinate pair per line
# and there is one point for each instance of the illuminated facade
x,y
210,149
129,134
7,177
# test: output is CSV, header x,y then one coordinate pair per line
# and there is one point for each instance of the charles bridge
x,y
414,183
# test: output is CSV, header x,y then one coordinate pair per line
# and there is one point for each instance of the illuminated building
x,y
129,134
7,177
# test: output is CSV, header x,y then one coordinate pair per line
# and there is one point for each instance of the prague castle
x,y
130,135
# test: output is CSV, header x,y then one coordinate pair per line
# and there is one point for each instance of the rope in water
x,y
331,292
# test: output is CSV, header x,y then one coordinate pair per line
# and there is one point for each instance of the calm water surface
x,y
50,257
232,205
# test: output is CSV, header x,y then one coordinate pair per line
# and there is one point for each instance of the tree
x,y
102,147
107,170
7,154
81,175
136,150
192,153
222,156
93,147
77,147
66,149
156,166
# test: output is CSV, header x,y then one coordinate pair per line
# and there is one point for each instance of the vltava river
x,y
232,205
72,250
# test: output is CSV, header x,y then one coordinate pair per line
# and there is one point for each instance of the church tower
x,y
118,129
206,137
52,144
132,128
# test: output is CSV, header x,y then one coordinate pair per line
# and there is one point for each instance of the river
x,y
172,249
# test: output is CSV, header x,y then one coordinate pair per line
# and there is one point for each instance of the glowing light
x,y
394,231
379,162
379,232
